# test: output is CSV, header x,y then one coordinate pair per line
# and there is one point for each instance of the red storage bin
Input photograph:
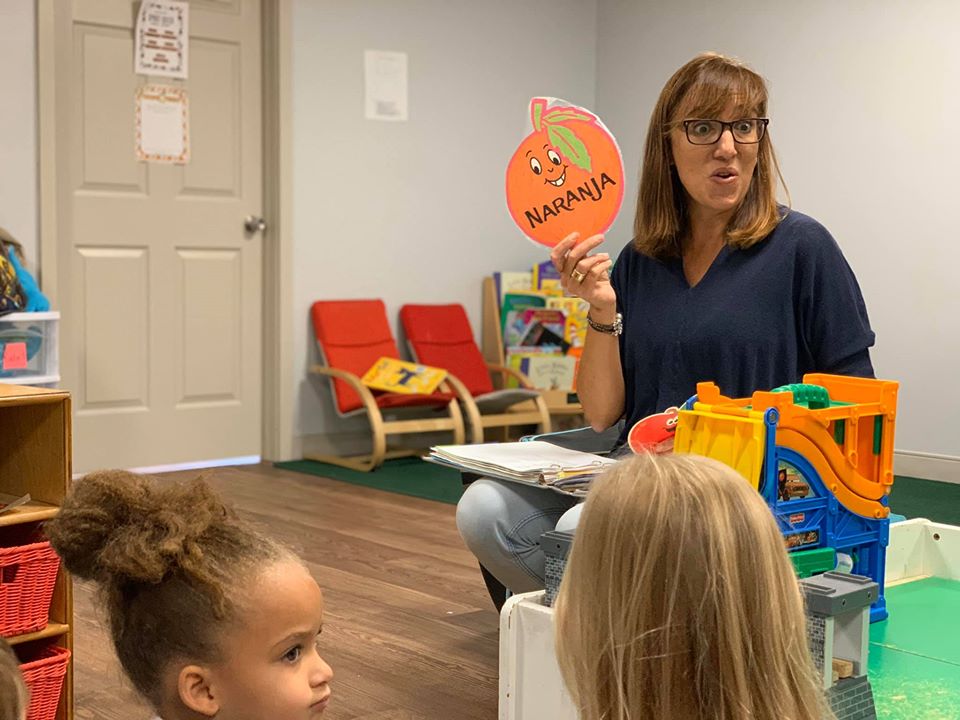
x,y
44,677
27,576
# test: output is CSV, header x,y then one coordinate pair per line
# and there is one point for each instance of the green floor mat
x,y
407,476
937,501
914,664
923,620
911,687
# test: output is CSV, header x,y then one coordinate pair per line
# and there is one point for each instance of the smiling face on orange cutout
x,y
566,176
554,170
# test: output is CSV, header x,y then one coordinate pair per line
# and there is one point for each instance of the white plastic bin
x,y
28,348
531,687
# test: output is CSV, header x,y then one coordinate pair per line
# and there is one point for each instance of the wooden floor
x,y
409,629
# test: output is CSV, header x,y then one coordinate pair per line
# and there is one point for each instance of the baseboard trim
x,y
943,468
358,443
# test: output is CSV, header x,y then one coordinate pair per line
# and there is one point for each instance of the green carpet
x,y
937,501
914,663
407,476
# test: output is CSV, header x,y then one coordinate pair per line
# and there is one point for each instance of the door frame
x,y
277,383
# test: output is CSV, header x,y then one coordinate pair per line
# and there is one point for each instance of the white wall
x,y
865,111
414,211
18,124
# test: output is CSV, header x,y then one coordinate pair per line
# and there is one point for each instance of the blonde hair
x,y
679,601
13,690
703,88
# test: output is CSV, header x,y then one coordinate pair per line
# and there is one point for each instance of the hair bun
x,y
118,526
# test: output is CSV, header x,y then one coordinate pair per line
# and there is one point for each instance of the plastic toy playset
x,y
821,455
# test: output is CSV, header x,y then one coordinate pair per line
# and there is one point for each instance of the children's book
x,y
516,327
512,281
546,279
538,326
513,354
551,319
516,355
516,300
550,372
538,335
399,376
575,309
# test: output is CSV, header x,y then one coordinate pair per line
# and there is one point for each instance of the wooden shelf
x,y
32,511
51,630
35,449
558,401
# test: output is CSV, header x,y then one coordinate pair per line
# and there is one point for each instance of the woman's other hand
x,y
586,276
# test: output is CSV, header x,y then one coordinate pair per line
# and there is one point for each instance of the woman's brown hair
x,y
172,562
679,601
703,88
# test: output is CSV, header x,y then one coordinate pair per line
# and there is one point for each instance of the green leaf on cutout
x,y
570,146
563,114
537,108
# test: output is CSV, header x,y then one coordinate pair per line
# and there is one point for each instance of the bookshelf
x,y
560,403
35,458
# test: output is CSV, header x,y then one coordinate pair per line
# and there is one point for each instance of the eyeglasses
x,y
746,131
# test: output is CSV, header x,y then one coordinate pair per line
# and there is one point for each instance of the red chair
x,y
351,336
441,336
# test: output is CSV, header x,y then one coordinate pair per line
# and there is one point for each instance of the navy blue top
x,y
759,318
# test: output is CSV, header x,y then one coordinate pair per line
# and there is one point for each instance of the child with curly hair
x,y
209,618
13,691
679,601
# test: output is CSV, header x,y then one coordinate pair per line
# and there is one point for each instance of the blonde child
x,y
679,601
13,691
208,617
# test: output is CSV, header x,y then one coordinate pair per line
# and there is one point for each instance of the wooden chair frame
x,y
525,412
380,428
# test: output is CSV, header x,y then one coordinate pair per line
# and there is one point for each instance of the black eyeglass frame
x,y
761,123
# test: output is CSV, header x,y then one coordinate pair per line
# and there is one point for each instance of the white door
x,y
158,284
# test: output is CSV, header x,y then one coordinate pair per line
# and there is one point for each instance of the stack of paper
x,y
534,462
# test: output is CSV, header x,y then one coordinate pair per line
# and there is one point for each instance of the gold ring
x,y
577,275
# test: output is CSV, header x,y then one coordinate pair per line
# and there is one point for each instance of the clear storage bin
x,y
28,348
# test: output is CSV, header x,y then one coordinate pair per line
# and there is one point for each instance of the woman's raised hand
x,y
583,275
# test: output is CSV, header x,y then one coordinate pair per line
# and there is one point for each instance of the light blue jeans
x,y
501,523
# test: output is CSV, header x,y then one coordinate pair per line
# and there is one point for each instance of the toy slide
x,y
853,490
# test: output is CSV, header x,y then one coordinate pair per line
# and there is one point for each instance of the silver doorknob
x,y
253,224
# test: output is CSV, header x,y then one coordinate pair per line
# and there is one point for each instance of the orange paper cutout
x,y
566,176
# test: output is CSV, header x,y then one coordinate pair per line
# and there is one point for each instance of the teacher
x,y
720,282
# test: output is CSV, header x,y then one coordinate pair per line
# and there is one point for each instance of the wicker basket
x,y
44,677
27,576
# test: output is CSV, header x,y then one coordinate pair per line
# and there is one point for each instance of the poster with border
x,y
162,124
162,38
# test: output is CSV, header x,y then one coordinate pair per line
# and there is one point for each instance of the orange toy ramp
x,y
854,491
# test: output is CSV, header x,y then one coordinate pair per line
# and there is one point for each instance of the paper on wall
x,y
385,85
161,38
163,134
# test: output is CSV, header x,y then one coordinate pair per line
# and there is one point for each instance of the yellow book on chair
x,y
400,376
